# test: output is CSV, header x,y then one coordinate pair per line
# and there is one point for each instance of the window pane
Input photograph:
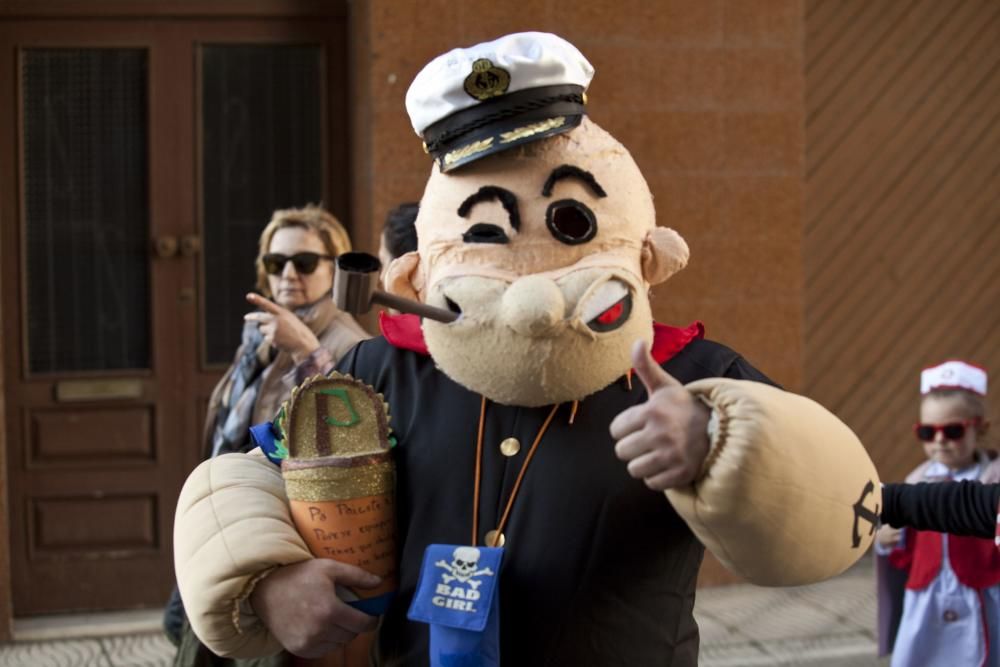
x,y
261,130
86,209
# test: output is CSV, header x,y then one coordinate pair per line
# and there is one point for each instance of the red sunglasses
x,y
951,430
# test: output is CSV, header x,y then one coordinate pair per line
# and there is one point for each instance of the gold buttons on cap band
x,y
510,446
492,536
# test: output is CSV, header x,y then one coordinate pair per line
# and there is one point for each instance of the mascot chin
x,y
562,460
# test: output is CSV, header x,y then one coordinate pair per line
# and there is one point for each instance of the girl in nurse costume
x,y
951,606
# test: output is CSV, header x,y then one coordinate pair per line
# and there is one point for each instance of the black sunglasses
x,y
304,262
951,431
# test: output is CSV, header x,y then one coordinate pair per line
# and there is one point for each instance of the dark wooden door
x,y
139,159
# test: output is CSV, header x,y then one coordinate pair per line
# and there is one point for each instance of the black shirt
x,y
597,570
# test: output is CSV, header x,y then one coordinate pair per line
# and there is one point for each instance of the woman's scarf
x,y
237,400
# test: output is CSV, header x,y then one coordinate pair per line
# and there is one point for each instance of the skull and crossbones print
x,y
463,567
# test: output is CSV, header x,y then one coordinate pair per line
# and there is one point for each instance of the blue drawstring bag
x,y
457,595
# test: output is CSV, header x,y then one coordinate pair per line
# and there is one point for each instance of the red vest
x,y
975,561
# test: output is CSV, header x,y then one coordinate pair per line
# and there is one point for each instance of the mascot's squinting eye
x,y
613,317
608,308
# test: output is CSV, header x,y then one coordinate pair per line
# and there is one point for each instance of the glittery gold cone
x,y
339,474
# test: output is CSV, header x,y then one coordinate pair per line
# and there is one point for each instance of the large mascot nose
x,y
532,306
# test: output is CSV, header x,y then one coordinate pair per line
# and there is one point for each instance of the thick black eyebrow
x,y
489,193
569,171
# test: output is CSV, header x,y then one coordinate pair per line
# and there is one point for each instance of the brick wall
x,y
707,95
900,226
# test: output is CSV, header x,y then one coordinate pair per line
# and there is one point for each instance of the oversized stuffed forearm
x,y
788,494
232,528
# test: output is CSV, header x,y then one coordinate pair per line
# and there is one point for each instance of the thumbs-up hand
x,y
664,441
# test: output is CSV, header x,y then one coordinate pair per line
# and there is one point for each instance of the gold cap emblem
x,y
486,80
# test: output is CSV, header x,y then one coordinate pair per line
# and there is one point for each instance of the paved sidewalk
x,y
126,639
831,624
825,625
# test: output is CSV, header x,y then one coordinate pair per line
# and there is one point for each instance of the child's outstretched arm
x,y
959,508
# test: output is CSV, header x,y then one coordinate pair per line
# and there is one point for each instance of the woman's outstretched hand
x,y
282,328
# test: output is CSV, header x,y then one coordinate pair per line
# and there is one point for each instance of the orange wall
x,y
707,96
900,228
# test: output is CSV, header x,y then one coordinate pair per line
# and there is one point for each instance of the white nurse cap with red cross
x,y
954,374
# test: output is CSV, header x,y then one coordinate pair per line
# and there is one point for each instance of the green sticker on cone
x,y
339,474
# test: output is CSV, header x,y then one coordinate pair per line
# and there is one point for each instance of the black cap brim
x,y
504,122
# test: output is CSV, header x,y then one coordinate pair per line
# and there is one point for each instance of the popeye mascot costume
x,y
562,460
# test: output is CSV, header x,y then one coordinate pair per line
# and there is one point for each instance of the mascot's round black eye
x,y
613,317
570,221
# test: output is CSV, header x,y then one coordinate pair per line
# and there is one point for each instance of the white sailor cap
x,y
472,102
953,374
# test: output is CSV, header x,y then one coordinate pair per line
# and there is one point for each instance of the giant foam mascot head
x,y
536,226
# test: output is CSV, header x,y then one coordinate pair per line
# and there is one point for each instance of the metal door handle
x,y
190,245
165,247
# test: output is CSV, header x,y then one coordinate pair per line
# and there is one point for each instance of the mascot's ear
x,y
664,253
402,276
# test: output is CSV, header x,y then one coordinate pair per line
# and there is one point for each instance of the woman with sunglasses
x,y
951,605
296,332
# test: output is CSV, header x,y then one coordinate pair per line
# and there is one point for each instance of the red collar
x,y
668,341
403,331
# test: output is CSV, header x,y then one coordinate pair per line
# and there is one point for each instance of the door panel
x,y
86,208
98,526
270,133
92,486
98,437
262,149
149,155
